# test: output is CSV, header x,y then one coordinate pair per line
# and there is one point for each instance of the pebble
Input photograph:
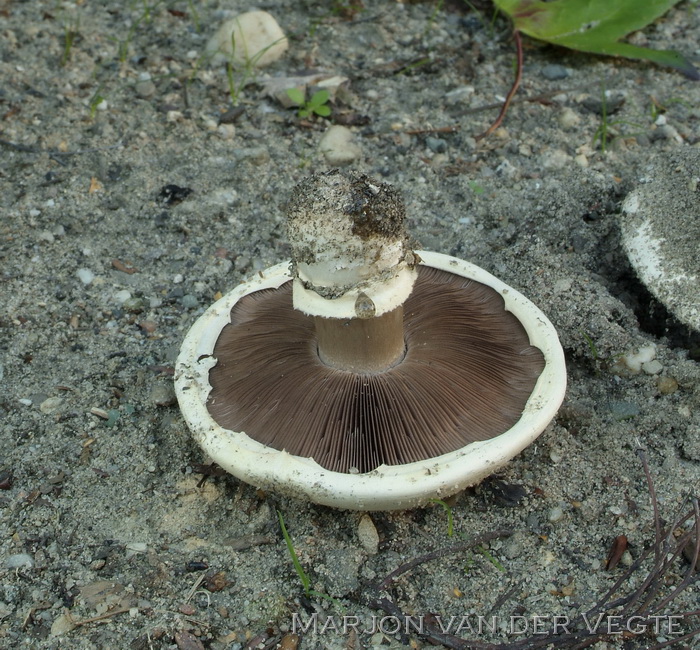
x,y
189,301
555,159
253,155
568,118
555,72
614,101
145,88
19,560
623,410
555,515
122,296
63,624
134,305
86,276
506,169
338,146
368,535
163,394
666,385
50,405
634,360
438,145
652,367
252,38
667,132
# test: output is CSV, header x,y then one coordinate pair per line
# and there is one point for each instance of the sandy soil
x,y
110,536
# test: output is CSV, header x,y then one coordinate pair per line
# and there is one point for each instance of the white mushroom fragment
x,y
660,228
365,375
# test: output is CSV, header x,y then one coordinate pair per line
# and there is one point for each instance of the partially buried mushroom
x,y
365,375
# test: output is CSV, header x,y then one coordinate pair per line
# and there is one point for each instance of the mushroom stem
x,y
353,268
361,345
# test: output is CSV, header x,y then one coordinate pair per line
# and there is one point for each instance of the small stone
x,y
634,360
667,132
189,301
122,296
50,405
148,326
62,625
652,367
514,546
86,276
253,38
134,305
555,159
555,515
555,72
562,285
163,395
338,147
614,101
437,145
368,535
226,131
145,89
556,456
253,155
666,385
568,118
568,590
623,410
19,560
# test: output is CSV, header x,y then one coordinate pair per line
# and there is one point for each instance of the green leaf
x,y
323,111
594,26
319,97
296,95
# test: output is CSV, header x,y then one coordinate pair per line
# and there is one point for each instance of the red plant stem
x,y
511,93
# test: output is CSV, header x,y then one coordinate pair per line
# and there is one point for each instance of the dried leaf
x,y
617,550
124,267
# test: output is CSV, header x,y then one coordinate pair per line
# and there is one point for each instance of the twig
x,y
434,555
437,129
194,587
513,89
639,608
101,617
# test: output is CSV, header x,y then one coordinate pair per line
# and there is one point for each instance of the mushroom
x,y
364,374
660,230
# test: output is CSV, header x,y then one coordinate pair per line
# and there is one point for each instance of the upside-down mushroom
x,y
367,375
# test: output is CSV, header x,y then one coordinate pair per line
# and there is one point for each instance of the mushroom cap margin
x,y
395,487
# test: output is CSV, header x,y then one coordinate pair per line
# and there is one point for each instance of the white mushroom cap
x,y
386,487
350,246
